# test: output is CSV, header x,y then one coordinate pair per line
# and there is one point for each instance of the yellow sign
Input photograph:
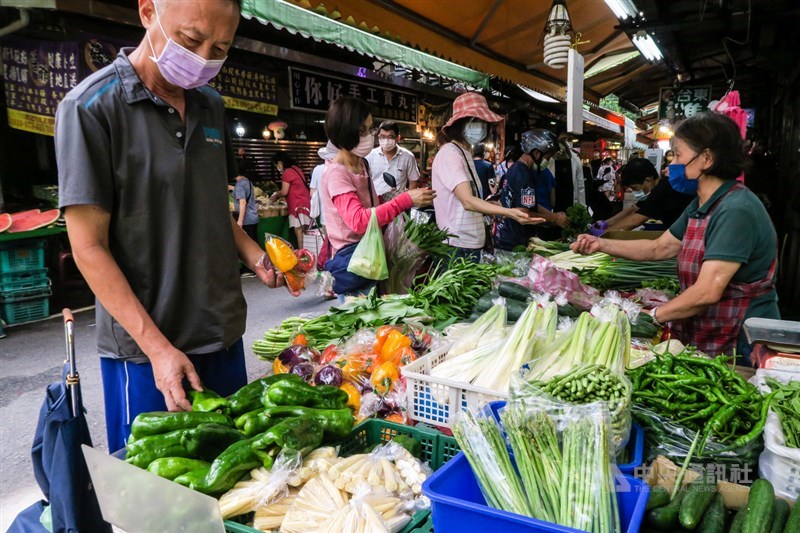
x,y
22,120
249,105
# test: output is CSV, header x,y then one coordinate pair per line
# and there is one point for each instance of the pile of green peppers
x,y
703,395
213,446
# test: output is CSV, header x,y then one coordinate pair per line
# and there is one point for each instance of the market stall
x,y
528,392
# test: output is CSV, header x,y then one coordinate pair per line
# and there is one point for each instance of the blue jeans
x,y
130,388
471,254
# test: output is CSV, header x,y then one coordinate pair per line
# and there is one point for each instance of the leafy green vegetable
x,y
579,220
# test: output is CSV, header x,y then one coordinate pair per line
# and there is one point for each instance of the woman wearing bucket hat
x,y
458,204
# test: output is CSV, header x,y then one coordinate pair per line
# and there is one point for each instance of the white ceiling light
x,y
623,8
647,46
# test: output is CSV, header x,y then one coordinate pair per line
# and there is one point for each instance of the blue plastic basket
x,y
457,504
635,446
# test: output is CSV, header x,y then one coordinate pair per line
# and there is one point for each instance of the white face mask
x,y
475,131
364,145
387,145
639,195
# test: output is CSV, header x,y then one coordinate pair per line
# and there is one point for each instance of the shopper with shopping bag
x,y
350,205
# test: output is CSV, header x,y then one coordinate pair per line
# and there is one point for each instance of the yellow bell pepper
x,y
280,254
383,377
395,341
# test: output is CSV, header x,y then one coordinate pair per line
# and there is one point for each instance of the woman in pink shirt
x,y
459,205
348,195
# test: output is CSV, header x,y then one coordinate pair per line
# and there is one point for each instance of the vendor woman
x,y
725,242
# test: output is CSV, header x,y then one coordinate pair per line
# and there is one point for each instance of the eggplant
x,y
296,354
303,369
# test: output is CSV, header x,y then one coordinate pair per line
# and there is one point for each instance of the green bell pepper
x,y
231,465
208,441
301,433
336,423
194,479
156,423
248,397
208,401
409,443
172,467
144,451
241,421
300,393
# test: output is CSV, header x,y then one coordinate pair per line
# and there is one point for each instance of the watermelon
x,y
31,220
5,222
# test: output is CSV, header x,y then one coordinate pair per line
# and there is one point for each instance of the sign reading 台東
x,y
677,104
37,75
316,92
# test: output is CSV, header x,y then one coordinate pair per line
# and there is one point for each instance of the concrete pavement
x,y
31,357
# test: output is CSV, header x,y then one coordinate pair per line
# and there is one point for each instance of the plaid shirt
x,y
715,330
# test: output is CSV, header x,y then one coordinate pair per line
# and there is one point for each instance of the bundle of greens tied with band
x,y
693,405
221,440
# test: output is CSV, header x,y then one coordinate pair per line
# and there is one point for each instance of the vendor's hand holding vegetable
x,y
170,367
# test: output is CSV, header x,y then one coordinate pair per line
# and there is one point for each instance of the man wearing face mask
x,y
144,157
655,199
394,160
724,241
529,185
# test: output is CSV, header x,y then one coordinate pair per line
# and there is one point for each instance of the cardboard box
x,y
663,473
632,235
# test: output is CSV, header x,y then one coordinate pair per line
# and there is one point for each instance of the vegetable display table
x,y
276,226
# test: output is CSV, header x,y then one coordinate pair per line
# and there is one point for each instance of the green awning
x,y
294,19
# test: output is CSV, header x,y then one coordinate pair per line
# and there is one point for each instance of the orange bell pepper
x,y
395,341
295,281
380,338
403,356
280,254
383,377
278,367
397,417
301,340
353,396
352,366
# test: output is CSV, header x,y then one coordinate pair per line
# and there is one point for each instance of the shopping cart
x,y
58,462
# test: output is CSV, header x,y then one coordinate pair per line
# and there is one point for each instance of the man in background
x,y
393,169
485,171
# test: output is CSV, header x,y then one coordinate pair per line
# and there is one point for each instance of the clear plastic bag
x,y
369,257
264,487
369,511
405,257
594,384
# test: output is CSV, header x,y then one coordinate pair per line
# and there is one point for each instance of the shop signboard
x,y
311,91
247,88
36,77
676,104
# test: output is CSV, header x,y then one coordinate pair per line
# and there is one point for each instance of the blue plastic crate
x,y
23,255
457,504
635,446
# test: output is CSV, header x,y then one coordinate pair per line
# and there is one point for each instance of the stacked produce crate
x,y
24,286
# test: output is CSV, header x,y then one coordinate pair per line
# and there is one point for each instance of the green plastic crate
x,y
446,449
23,255
26,310
374,431
26,280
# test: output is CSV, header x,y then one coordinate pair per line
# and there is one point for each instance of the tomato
x,y
329,354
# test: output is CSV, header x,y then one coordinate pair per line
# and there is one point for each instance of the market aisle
x,y
31,357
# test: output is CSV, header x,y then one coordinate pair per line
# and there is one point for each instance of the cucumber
x,y
486,302
714,518
643,330
760,507
780,515
698,497
738,521
659,497
793,522
666,518
515,308
514,291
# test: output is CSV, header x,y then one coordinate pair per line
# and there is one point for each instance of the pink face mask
x,y
182,67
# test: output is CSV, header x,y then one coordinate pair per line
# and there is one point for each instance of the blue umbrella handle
x,y
73,378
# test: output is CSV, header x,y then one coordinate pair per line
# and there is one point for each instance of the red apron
x,y
715,330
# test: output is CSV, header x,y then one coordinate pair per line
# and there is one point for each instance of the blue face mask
x,y
679,181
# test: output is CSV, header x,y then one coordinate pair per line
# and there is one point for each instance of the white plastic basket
x,y
436,401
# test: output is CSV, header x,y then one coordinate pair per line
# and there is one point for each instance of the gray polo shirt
x,y
122,148
403,167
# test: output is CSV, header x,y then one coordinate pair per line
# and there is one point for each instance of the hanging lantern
x,y
557,36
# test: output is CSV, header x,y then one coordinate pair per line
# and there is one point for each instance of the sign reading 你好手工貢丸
x,y
316,92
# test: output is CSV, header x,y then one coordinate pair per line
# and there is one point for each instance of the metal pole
x,y
72,377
